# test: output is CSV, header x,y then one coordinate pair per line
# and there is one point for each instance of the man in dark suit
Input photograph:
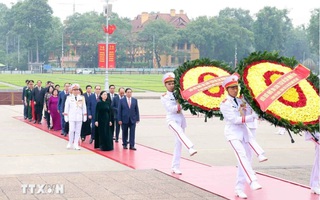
x,y
38,97
111,96
114,105
25,110
93,100
61,101
86,126
128,116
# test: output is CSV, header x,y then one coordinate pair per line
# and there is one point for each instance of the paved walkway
x,y
27,153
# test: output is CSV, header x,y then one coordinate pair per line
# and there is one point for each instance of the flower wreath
x,y
297,109
195,72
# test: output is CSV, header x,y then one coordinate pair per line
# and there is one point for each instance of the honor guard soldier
x,y
176,122
315,173
239,135
75,112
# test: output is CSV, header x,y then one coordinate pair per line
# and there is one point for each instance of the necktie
x,y
235,100
174,96
129,102
75,98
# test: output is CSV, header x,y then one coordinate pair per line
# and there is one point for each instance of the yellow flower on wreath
x,y
308,113
202,99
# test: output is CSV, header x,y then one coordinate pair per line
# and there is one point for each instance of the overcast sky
x,y
299,10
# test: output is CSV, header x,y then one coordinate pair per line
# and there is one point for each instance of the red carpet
x,y
218,180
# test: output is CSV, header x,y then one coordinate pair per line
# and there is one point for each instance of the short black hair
x,y
88,86
112,86
128,89
26,81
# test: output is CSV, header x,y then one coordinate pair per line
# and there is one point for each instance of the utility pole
x,y
61,59
7,51
107,12
235,56
18,49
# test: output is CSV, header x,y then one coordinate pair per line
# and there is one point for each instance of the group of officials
x,y
102,111
99,114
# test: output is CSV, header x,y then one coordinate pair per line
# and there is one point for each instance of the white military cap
x,y
168,77
74,85
230,81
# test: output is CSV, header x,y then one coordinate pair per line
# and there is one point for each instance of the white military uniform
x,y
253,128
315,173
75,113
177,123
239,135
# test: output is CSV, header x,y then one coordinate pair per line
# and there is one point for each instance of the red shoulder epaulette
x,y
164,94
224,100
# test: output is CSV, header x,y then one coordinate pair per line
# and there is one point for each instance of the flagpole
x,y
106,83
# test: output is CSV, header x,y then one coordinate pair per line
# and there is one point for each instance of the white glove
x,y
84,118
66,118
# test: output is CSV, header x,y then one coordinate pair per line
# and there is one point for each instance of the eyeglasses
x,y
75,89
98,88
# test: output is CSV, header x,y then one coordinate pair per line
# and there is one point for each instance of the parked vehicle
x,y
85,71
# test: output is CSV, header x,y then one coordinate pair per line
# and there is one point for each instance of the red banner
x,y
102,55
281,85
111,55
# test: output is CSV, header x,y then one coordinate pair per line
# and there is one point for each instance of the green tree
x,y
85,32
123,38
233,36
243,17
3,32
201,33
271,29
158,36
31,19
53,43
297,44
313,31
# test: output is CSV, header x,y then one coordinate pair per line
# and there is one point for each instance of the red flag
x,y
111,28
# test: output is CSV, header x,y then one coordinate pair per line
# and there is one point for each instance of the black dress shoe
x,y
65,134
91,140
133,148
117,141
125,147
35,122
83,139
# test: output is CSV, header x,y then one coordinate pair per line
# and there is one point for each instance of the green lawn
x,y
139,83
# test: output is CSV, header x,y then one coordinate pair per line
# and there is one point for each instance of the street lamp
x,y
107,12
